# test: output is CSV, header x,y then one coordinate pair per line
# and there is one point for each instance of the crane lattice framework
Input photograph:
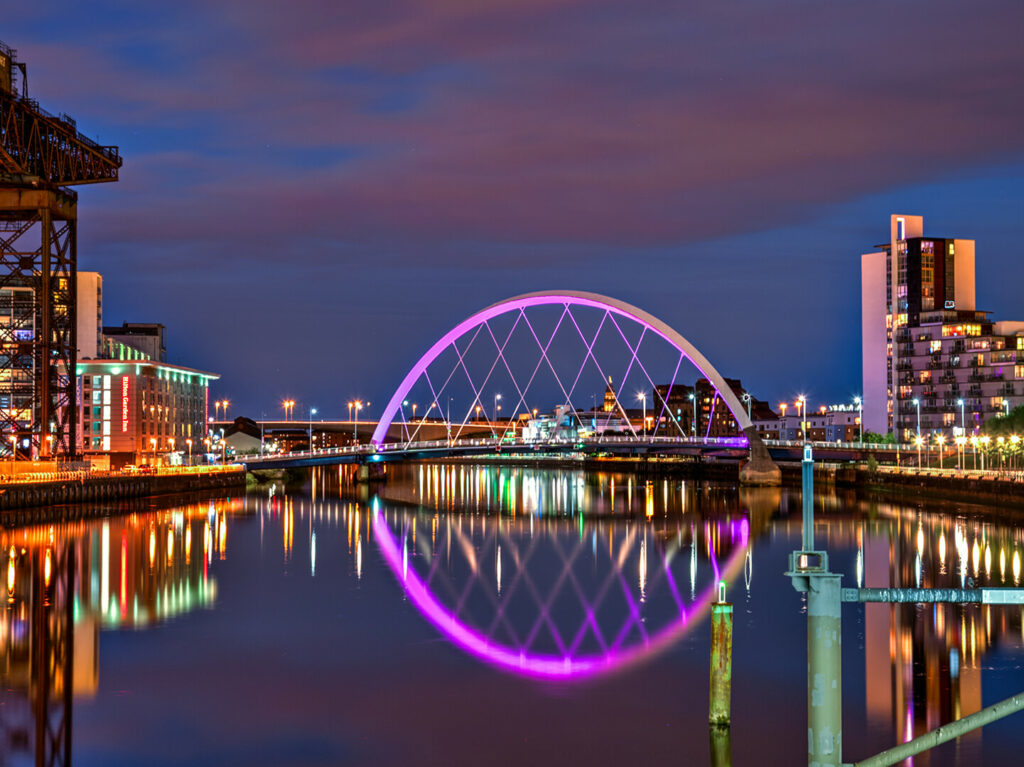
x,y
40,155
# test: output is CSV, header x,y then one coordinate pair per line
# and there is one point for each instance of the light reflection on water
x,y
558,575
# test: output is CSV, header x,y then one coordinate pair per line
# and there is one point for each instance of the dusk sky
x,y
313,192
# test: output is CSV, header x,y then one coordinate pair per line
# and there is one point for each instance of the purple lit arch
x,y
568,299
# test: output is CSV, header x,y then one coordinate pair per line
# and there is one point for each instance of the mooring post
x,y
721,660
809,572
824,671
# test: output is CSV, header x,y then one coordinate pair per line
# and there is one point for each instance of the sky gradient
x,y
311,197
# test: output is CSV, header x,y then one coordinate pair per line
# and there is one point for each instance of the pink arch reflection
x,y
543,665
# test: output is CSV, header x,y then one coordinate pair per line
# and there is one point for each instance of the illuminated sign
x,y
124,403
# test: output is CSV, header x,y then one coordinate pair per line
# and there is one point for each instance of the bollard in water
x,y
721,660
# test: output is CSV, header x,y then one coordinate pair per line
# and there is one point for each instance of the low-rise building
x,y
142,411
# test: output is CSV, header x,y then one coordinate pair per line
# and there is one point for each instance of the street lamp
x,y
918,441
801,403
960,460
747,398
642,396
312,412
860,415
355,424
189,443
288,405
984,449
693,399
941,440
496,398
917,404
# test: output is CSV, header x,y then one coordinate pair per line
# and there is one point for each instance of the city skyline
x,y
295,200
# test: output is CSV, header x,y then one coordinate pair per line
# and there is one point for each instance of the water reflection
x,y
563,575
66,582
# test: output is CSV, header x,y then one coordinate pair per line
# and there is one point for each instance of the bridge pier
x,y
760,469
370,472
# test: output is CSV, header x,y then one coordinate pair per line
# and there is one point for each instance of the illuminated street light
x,y
642,396
496,398
860,415
917,404
312,412
918,441
801,403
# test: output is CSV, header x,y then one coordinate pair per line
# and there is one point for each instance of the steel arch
x,y
566,298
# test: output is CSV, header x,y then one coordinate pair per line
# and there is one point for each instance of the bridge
x,y
622,447
571,343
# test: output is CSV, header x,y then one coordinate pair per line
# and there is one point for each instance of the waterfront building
x,y
949,367
830,423
142,411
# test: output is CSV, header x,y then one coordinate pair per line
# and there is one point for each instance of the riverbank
x,y
20,496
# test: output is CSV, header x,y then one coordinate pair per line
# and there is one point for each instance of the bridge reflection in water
x,y
556,575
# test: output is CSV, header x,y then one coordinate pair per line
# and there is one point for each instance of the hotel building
x,y
947,367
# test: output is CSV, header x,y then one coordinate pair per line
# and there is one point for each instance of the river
x,y
470,614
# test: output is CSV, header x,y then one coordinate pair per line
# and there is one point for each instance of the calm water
x,y
470,615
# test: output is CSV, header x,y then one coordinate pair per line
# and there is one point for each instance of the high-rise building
x,y
89,314
945,359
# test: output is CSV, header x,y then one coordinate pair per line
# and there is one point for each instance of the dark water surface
x,y
489,615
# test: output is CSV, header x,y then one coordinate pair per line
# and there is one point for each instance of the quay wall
x,y
32,495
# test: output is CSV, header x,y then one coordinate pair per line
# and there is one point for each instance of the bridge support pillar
x,y
370,472
760,469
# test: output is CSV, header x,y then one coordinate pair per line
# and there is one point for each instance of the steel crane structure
x,y
40,156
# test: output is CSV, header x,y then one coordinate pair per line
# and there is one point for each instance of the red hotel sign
x,y
124,403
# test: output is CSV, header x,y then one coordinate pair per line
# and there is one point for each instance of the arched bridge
x,y
560,344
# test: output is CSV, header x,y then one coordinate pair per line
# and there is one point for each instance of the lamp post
x,y
918,441
860,415
642,396
289,406
189,443
963,423
801,404
747,398
693,399
961,440
312,412
917,404
984,449
495,411
941,440
216,409
974,450
355,424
